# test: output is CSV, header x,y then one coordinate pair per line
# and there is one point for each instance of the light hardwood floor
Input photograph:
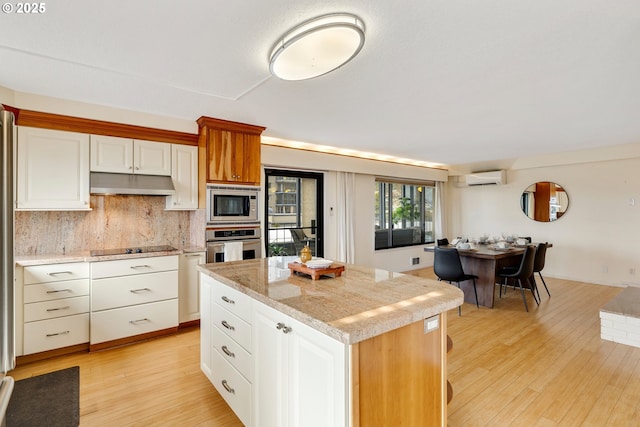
x,y
547,367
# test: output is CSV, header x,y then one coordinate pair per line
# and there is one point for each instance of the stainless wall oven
x,y
227,204
218,237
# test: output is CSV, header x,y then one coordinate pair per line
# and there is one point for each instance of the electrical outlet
x,y
431,324
605,269
632,270
415,260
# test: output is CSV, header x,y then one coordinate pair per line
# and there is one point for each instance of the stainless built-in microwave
x,y
228,204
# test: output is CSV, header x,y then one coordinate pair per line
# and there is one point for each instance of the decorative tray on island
x,y
317,267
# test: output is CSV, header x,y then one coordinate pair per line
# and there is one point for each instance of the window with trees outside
x,y
404,214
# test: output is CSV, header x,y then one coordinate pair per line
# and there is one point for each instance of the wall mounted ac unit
x,y
486,178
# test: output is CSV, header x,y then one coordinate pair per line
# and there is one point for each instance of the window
x,y
403,214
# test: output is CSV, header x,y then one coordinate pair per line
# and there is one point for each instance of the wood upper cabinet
x,y
232,151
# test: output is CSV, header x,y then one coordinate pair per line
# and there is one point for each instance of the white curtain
x,y
440,211
345,215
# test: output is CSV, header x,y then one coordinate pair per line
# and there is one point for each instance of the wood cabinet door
x,y
233,157
250,170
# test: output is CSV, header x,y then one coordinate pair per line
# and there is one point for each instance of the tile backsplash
x,y
114,222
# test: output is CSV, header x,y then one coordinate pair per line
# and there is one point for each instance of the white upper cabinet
x,y
151,158
124,155
184,174
52,170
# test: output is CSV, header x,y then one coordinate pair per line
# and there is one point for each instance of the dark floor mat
x,y
51,400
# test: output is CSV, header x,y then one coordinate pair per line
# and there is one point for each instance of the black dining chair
x,y
448,267
443,242
538,265
523,272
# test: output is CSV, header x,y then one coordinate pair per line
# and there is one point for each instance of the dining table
x,y
484,261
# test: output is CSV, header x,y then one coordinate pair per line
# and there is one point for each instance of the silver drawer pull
x,y
133,322
135,291
226,387
227,300
228,326
281,326
55,273
59,290
191,255
58,333
60,308
226,351
135,267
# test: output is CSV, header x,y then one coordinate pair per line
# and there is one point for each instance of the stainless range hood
x,y
122,183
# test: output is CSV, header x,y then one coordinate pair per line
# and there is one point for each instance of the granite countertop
x,y
362,303
85,256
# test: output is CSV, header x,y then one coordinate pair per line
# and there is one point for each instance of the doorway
x,y
294,213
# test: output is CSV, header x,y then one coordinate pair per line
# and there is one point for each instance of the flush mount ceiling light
x,y
317,47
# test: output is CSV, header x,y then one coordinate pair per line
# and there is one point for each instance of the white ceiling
x,y
444,81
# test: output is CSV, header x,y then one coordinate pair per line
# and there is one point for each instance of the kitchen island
x,y
367,348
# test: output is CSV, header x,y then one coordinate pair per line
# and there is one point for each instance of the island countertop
x,y
362,303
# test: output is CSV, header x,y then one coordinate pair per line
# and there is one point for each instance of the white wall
x,y
397,259
599,232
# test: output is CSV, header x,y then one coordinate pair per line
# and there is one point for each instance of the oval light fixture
x,y
317,47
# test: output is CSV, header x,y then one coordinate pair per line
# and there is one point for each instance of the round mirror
x,y
544,201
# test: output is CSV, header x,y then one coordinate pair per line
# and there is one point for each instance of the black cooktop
x,y
132,250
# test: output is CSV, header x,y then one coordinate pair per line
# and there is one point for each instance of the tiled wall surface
x,y
623,329
114,222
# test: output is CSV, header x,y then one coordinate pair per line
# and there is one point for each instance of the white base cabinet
x,y
55,306
300,375
226,359
133,296
189,286
271,369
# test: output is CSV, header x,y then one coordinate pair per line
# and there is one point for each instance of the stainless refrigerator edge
x,y
7,340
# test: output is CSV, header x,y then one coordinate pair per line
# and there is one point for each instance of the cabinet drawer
x,y
125,267
56,333
56,290
124,322
114,292
233,387
232,326
234,301
232,352
55,272
57,308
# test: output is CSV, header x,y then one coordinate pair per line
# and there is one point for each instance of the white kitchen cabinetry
x,y
52,170
189,286
272,370
184,174
56,306
300,375
225,329
124,155
132,297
